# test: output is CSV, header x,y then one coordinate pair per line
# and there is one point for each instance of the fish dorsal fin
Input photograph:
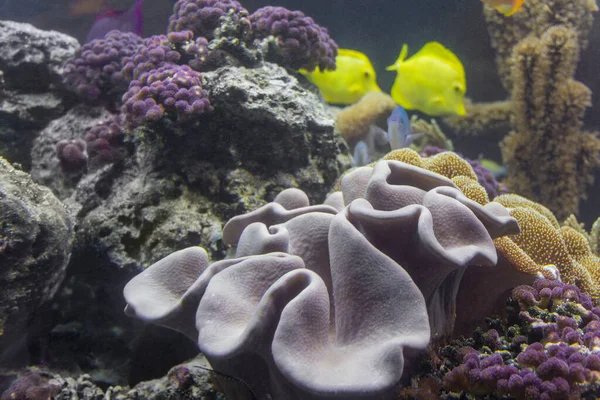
x,y
437,50
353,54
400,60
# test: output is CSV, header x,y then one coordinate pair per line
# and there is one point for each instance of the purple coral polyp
x,y
561,365
170,89
301,42
96,67
202,17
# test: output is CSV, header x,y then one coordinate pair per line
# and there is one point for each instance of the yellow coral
x,y
595,237
373,109
472,189
405,155
448,164
511,200
578,246
543,242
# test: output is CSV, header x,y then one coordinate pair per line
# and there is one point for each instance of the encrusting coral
x,y
549,158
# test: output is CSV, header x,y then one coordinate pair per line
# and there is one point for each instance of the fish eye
x,y
367,74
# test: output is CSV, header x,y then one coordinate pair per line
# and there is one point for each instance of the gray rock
x,y
35,246
22,115
30,58
30,63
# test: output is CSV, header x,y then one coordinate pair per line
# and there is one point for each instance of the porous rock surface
x,y
35,245
30,63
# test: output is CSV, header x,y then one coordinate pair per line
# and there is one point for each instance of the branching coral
x,y
482,119
535,17
549,159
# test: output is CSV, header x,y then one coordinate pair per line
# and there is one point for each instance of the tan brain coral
x,y
543,242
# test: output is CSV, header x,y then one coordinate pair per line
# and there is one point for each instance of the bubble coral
x,y
175,90
300,42
203,17
95,69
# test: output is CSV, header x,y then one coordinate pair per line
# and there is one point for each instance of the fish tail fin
x,y
515,8
400,60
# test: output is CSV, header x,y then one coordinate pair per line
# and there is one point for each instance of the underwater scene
x,y
299,200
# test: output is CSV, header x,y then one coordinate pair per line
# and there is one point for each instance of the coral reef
x,y
299,41
384,314
31,385
36,237
153,52
414,225
190,380
72,155
549,158
32,59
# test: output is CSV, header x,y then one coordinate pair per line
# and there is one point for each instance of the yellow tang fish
x,y
506,7
431,81
353,77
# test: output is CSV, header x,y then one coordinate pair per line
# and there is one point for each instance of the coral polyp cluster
x,y
171,89
203,17
551,349
301,43
95,69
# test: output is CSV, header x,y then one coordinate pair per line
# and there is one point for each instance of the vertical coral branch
x,y
549,158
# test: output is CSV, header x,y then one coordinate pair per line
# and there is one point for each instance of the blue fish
x,y
400,134
123,20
